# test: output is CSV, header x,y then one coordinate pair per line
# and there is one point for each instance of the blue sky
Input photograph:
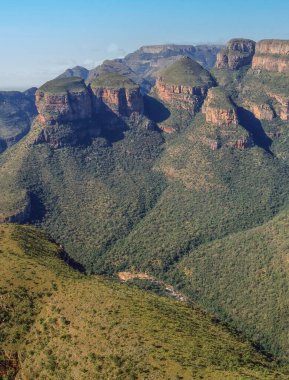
x,y
40,39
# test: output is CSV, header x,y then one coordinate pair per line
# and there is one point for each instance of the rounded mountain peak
x,y
186,72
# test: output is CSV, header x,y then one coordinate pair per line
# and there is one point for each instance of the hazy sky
x,y
41,38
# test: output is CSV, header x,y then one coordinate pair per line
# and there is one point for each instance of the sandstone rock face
x,y
238,53
243,143
64,106
122,101
184,85
71,112
181,97
218,109
118,94
261,111
272,55
282,109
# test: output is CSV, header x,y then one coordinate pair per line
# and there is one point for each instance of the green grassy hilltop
x,y
59,324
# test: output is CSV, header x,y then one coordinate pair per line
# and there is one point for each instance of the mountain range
x,y
169,164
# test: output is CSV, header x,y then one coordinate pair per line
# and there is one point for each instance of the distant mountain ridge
x,y
143,65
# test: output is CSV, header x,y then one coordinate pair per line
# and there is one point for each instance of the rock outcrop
x,y
63,100
261,111
71,111
272,55
184,85
116,93
282,106
218,109
242,143
222,118
238,53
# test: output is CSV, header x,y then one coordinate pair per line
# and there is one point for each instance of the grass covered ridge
x,y
187,72
61,324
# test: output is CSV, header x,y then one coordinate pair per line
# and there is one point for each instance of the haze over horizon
x,y
44,39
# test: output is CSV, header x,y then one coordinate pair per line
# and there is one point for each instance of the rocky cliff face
x,y
218,109
71,111
181,97
222,115
63,100
261,111
69,99
184,85
116,93
272,55
282,106
238,53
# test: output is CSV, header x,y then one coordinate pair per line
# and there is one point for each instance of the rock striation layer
x,y
71,111
116,93
222,118
184,85
261,111
272,55
218,109
63,100
238,53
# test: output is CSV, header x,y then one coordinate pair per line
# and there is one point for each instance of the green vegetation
x,y
63,85
187,72
176,206
113,80
47,310
103,182
219,99
17,111
278,83
257,260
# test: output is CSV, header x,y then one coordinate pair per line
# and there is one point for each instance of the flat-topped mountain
x,y
238,53
63,100
117,92
272,55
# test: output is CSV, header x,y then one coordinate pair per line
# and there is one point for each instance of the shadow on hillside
x,y
254,127
38,210
112,126
155,110
71,262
